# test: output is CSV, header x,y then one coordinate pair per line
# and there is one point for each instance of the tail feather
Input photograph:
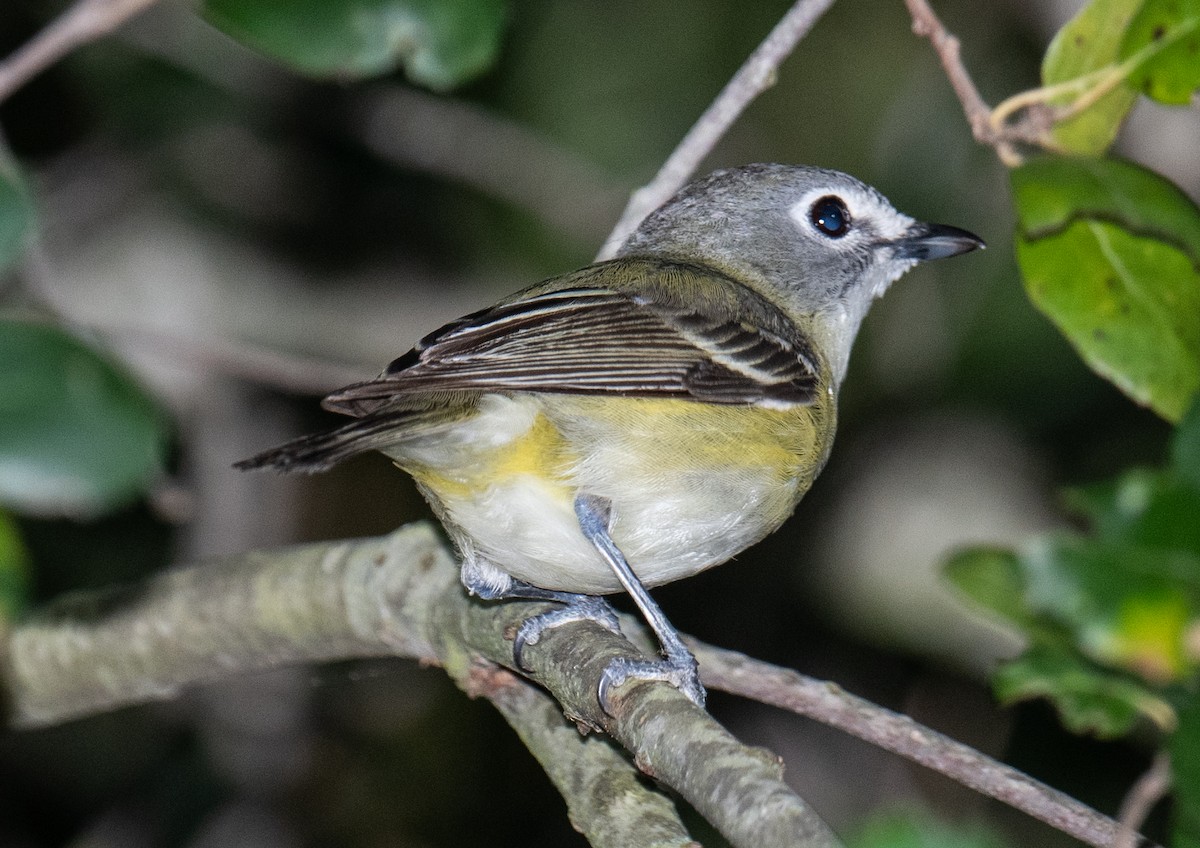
x,y
322,451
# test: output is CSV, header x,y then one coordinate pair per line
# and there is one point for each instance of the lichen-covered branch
x,y
739,789
606,799
96,651
396,595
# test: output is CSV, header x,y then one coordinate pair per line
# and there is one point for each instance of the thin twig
x,y
740,675
83,22
1146,791
755,76
1033,128
1029,117
926,24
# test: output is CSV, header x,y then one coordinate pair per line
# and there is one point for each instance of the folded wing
x,y
732,347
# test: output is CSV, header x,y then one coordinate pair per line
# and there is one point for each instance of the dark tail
x,y
322,451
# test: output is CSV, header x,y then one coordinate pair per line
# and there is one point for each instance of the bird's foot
x,y
680,671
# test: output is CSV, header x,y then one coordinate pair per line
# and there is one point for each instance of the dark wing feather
x,y
585,339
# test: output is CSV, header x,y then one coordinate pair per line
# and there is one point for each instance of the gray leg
x,y
484,580
678,666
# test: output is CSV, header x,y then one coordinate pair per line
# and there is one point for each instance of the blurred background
x,y
245,240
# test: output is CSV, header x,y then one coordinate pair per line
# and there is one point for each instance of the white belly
x,y
505,480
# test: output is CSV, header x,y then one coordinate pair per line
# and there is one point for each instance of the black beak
x,y
923,242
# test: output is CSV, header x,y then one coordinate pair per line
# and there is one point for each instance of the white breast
x,y
670,522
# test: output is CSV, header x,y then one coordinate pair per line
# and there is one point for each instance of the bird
x,y
644,418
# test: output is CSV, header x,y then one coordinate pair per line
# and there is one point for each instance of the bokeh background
x,y
245,239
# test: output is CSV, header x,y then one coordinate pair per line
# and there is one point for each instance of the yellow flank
x,y
650,439
680,435
540,452
691,484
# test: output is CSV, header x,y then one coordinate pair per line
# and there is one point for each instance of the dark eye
x,y
831,217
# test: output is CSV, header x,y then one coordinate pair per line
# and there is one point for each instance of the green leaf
x,y
1054,191
440,43
992,578
1131,46
1173,73
77,436
1087,699
1185,773
1113,617
1110,252
16,210
1148,508
14,570
1088,42
1125,606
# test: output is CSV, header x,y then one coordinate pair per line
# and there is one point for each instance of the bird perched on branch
x,y
645,418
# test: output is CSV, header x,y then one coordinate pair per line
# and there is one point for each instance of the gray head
x,y
818,242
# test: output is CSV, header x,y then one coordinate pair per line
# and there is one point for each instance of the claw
x,y
578,608
680,672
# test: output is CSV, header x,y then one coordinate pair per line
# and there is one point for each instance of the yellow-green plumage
x,y
710,417
691,485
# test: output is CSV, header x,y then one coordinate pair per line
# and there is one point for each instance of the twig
x,y
1034,124
755,76
927,24
1146,791
85,21
738,674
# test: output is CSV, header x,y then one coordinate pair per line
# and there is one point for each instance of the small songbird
x,y
645,418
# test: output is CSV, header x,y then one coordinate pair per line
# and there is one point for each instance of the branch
x,y
756,75
83,22
95,651
1146,791
825,702
607,801
740,790
397,595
